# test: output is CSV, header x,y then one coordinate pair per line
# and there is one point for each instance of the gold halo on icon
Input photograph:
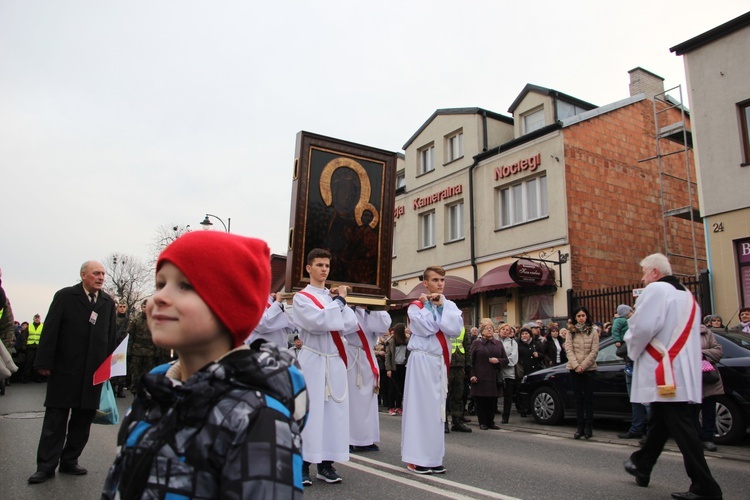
x,y
364,194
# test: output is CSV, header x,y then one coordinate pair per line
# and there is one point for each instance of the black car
x,y
548,394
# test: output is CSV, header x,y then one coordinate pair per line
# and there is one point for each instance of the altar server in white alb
x,y
664,341
323,318
364,378
274,326
434,321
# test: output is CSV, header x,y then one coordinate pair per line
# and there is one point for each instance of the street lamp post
x,y
207,223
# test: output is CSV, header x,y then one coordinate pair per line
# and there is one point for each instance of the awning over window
x,y
455,289
397,294
500,277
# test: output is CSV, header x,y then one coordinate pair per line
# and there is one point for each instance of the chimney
x,y
645,82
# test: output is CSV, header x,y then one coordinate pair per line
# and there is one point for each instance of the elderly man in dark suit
x,y
78,336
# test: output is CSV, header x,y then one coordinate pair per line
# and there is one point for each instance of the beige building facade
x,y
717,66
531,206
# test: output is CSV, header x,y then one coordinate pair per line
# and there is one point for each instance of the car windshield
x,y
607,355
735,345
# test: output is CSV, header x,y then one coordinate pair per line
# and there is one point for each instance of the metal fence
x,y
603,303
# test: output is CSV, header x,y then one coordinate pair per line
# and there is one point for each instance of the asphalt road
x,y
525,461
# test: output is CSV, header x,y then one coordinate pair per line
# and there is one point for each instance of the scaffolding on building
x,y
677,133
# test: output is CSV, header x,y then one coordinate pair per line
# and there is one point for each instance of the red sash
x,y
441,338
334,334
666,389
366,348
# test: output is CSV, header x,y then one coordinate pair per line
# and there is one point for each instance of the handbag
x,y
710,373
622,351
107,414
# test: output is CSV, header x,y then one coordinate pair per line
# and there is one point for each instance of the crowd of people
x,y
329,365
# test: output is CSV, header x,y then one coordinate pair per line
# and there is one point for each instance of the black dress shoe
x,y
709,446
578,434
493,427
73,469
689,495
504,421
641,479
459,426
483,427
40,476
629,435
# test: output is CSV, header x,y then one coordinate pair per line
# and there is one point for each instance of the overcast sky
x,y
118,117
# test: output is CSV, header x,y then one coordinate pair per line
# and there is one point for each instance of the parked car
x,y
548,394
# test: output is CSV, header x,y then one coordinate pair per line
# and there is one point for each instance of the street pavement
x,y
523,460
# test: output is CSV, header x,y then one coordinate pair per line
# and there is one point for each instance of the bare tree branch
x,y
128,279
164,236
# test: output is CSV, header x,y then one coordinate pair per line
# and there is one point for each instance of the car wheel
x,y
730,421
546,406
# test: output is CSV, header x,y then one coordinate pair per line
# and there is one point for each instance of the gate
x,y
603,303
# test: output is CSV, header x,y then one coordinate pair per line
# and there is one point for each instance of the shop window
x,y
427,230
455,219
498,309
427,159
743,261
533,121
522,202
537,306
454,146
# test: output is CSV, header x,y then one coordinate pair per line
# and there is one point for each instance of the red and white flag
x,y
115,365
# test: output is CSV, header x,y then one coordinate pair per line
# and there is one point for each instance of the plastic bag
x,y
107,414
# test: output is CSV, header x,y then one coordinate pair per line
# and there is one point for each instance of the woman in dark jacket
x,y
529,356
396,354
554,348
487,359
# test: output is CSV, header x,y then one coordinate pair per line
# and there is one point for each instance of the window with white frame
x,y
400,180
454,146
455,219
533,121
427,159
522,202
427,230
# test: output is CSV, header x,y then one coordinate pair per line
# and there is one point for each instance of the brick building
x,y
563,195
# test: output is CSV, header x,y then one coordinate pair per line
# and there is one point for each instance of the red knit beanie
x,y
232,274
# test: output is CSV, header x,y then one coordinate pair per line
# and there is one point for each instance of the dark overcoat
x,y
481,368
73,348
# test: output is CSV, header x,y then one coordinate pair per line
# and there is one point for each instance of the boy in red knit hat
x,y
224,421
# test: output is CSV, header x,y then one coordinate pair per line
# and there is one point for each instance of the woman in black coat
x,y
530,356
554,349
487,358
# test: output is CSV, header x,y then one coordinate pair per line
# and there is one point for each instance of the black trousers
x,y
676,420
455,402
485,410
583,389
397,381
508,393
62,440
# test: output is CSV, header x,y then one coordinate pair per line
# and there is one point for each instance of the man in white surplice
x,y
322,318
364,423
663,340
274,326
434,320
